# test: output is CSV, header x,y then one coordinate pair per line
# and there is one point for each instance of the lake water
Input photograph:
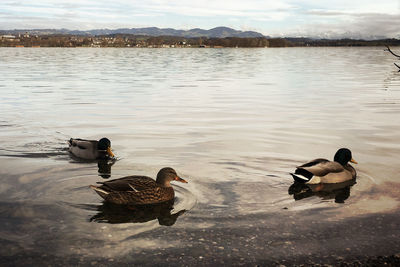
x,y
233,122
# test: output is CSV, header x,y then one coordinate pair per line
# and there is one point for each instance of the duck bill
x,y
353,161
109,152
179,179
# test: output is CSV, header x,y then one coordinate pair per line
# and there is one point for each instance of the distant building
x,y
7,37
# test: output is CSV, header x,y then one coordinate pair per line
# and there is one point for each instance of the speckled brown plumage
x,y
139,189
122,184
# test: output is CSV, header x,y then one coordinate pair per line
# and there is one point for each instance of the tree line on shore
x,y
127,40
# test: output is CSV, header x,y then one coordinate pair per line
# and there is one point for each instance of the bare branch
x,y
388,49
397,66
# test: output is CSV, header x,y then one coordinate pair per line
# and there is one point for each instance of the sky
x,y
368,19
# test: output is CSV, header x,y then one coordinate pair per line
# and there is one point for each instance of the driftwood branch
x,y
397,66
391,52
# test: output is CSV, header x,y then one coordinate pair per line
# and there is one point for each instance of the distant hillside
x,y
219,32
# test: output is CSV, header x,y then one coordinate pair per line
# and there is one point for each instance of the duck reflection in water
x,y
104,167
115,213
339,191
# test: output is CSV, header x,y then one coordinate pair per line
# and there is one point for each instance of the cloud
x,y
346,25
325,13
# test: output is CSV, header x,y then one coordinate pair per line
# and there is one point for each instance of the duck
x,y
323,171
90,149
139,190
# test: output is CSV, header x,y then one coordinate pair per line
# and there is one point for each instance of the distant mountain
x,y
218,32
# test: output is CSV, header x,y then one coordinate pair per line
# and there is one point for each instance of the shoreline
x,y
138,41
29,259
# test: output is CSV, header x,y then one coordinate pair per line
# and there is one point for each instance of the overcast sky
x,y
311,18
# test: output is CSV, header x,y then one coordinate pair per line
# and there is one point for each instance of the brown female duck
x,y
139,190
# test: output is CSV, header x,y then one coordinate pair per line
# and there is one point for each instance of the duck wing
x,y
82,143
313,163
147,196
321,167
129,183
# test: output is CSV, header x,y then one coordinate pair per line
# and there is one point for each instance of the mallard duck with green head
x,y
90,149
139,190
324,171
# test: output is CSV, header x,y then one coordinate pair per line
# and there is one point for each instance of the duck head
x,y
343,156
166,175
104,144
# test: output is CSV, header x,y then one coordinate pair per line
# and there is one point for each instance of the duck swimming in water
x,y
324,171
139,190
90,149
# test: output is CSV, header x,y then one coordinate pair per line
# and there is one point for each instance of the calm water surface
x,y
234,122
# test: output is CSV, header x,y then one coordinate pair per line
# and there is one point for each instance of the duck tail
x,y
100,191
301,175
299,178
